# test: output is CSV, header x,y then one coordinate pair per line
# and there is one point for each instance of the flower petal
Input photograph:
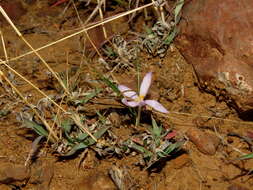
x,y
145,84
130,103
127,92
156,105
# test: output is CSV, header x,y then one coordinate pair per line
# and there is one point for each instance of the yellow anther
x,y
141,98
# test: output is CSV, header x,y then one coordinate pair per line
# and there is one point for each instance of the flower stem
x,y
137,122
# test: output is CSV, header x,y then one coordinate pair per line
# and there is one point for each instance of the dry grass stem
x,y
102,18
20,94
94,12
15,72
162,14
35,87
55,120
55,138
3,45
156,9
89,27
78,122
30,46
85,32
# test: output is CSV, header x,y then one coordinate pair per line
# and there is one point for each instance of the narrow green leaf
x,y
40,130
82,136
89,96
157,131
177,11
169,149
247,156
109,52
66,125
75,148
146,153
90,141
148,30
98,135
110,84
101,117
171,36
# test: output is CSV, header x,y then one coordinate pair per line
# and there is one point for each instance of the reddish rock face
x,y
216,37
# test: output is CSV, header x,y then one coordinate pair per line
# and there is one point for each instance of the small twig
x,y
156,9
34,148
102,18
94,12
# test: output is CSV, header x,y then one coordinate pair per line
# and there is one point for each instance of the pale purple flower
x,y
132,99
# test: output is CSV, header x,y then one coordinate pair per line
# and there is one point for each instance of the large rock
x,y
216,37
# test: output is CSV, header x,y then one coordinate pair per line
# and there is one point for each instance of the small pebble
x,y
205,142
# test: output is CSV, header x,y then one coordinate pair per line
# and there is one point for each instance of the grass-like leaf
x,y
4,112
101,117
89,96
39,129
156,132
169,149
87,141
171,36
110,52
179,6
247,156
66,126
146,153
110,84
82,136
75,148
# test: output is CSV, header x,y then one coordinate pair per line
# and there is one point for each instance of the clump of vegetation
x,y
66,121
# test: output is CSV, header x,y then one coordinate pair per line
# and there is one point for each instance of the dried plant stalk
x,y
89,27
30,46
85,32
2,75
55,138
102,18
78,122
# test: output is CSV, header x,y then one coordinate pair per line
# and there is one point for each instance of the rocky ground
x,y
205,136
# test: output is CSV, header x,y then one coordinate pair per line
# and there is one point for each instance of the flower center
x,y
139,99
